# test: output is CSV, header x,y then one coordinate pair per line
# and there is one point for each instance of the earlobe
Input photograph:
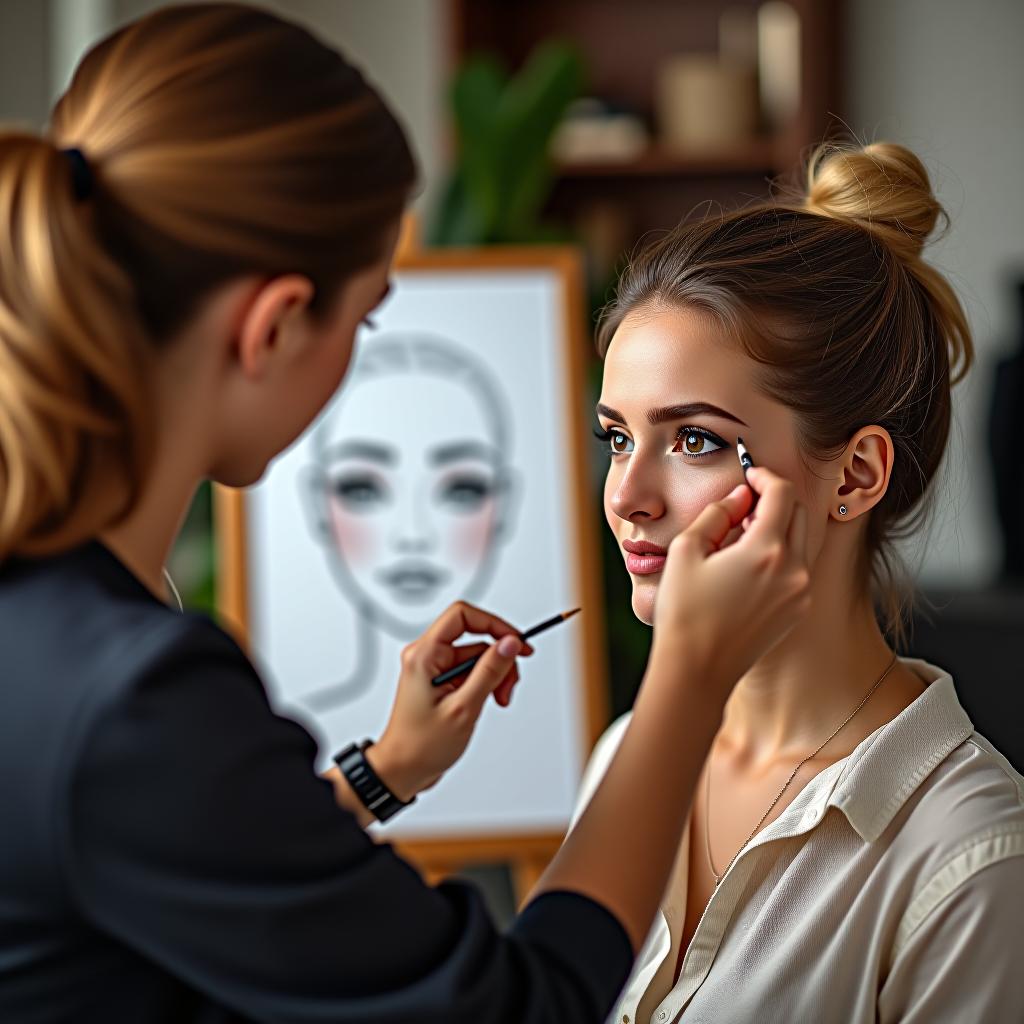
x,y
866,468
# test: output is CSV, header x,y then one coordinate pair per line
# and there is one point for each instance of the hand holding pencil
x,y
431,725
464,666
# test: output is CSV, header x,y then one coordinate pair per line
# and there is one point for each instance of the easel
x,y
527,854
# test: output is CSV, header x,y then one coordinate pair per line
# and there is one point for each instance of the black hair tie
x,y
82,180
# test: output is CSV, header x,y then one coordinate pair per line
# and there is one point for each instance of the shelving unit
x,y
623,44
658,161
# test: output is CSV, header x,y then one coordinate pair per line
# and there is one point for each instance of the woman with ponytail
x,y
185,257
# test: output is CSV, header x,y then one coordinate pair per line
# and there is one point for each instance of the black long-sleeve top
x,y
167,852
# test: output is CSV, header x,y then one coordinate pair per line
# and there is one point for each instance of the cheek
x,y
327,371
467,538
686,492
818,506
691,490
354,536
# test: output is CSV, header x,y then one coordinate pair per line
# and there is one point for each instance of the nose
x,y
637,496
411,533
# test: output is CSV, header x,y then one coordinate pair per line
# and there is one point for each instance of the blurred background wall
x,y
942,76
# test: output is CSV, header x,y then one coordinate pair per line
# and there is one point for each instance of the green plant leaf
x,y
503,176
457,220
476,93
530,110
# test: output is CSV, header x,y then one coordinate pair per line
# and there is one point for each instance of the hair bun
x,y
882,187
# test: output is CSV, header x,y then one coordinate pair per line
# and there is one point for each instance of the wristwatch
x,y
367,784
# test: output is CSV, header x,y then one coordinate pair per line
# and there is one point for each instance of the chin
x,y
643,601
240,476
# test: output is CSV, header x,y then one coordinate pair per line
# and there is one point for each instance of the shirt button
x,y
625,1018
662,1015
811,816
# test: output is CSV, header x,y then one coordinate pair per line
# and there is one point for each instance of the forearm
x,y
622,850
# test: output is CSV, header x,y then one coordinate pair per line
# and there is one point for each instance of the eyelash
x,y
606,435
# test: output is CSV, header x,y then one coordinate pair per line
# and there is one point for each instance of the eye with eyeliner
x,y
691,441
610,437
688,436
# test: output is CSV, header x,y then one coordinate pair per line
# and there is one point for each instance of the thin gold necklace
x,y
174,591
707,797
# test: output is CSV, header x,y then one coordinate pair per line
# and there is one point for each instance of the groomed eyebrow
x,y
668,413
462,450
370,450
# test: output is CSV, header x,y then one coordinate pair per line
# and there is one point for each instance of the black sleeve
x,y
198,834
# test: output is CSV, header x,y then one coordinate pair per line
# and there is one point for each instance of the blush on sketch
x,y
410,491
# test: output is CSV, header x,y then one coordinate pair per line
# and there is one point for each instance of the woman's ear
x,y
865,467
271,322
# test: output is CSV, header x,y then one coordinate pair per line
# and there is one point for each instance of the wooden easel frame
x,y
528,854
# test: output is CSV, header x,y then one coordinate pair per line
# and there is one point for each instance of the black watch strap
x,y
376,797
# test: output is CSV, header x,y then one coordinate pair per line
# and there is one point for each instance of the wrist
x,y
682,674
393,770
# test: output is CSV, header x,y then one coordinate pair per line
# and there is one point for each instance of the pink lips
x,y
643,557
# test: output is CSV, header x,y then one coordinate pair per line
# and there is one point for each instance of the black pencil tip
x,y
569,615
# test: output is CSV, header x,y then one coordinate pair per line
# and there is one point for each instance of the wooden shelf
x,y
610,204
756,157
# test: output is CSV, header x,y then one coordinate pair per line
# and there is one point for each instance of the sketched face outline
x,y
412,487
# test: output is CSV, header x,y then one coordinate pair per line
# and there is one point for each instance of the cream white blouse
x,y
891,889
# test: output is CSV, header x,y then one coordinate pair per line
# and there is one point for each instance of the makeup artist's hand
x,y
726,604
430,727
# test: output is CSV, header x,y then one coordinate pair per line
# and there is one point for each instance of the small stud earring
x,y
842,510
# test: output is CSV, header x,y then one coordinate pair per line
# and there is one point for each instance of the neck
x,y
143,541
795,696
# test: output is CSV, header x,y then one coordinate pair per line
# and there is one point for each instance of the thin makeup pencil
x,y
465,666
746,462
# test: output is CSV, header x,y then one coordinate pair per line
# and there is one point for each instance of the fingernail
x,y
509,646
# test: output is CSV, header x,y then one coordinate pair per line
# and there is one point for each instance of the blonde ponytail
x,y
72,429
221,141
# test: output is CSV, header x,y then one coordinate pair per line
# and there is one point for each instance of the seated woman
x,y
855,850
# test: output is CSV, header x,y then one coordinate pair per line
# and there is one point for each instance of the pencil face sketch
x,y
446,467
411,490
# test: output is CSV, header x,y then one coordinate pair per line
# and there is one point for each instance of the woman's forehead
x,y
673,356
